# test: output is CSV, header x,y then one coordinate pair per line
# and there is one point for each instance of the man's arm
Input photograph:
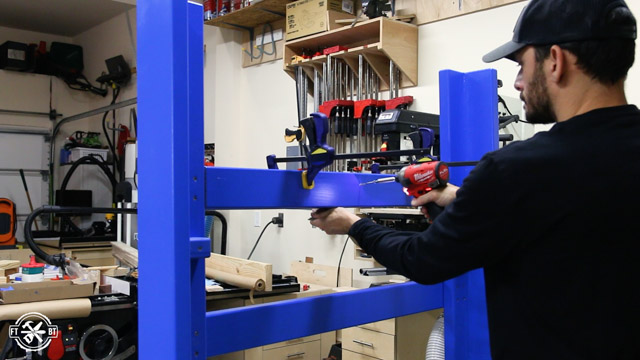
x,y
475,230
338,221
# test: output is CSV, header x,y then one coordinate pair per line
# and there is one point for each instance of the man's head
x,y
597,35
549,22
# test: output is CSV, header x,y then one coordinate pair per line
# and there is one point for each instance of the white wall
x,y
30,92
247,109
116,36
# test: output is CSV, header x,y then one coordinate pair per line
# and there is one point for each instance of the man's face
x,y
532,84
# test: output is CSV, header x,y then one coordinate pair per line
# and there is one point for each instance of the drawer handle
x,y
363,343
295,355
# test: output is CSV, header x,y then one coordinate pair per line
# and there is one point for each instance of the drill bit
x,y
379,181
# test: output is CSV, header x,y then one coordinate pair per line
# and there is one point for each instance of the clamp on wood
x,y
317,154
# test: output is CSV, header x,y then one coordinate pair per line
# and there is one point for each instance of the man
x,y
553,219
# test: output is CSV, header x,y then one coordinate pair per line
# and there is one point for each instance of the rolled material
x,y
245,282
54,309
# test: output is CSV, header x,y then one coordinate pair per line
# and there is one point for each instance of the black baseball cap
x,y
546,22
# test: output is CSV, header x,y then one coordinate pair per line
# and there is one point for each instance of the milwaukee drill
x,y
419,179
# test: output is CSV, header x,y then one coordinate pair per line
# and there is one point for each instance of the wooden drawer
x,y
367,342
350,355
292,342
304,351
385,326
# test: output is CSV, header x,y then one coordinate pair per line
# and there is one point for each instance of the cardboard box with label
x,y
43,290
306,17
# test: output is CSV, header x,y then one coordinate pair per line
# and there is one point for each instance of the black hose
x,y
60,259
86,160
91,159
223,243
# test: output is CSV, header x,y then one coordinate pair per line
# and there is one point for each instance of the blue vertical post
x,y
164,294
468,130
200,246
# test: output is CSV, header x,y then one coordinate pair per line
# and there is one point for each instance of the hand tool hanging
x,y
336,107
301,97
395,100
368,107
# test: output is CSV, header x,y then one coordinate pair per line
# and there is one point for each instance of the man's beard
x,y
539,109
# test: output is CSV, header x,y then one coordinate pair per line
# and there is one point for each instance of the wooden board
x,y
252,16
241,267
9,264
125,253
433,10
318,274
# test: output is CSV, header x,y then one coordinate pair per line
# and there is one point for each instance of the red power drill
x,y
419,179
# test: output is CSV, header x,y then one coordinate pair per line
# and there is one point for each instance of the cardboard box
x,y
43,290
306,17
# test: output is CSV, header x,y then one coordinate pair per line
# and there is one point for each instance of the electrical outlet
x,y
278,220
256,218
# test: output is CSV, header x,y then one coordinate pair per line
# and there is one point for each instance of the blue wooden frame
x,y
173,323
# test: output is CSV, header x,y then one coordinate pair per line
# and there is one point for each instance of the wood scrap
x,y
8,267
125,253
318,274
9,264
238,272
110,270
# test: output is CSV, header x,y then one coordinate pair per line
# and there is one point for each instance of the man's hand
x,y
336,221
442,196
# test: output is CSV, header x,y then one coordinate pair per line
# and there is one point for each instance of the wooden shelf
x,y
378,40
266,11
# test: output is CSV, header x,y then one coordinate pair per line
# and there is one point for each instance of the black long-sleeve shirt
x,y
555,223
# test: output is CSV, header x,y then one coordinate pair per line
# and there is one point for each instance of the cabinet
x,y
403,338
379,40
312,347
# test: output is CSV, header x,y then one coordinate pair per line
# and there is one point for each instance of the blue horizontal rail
x,y
243,328
240,188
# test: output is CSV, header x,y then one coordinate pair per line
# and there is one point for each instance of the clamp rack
x,y
173,322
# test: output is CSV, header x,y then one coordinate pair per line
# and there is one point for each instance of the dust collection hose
x,y
85,160
60,259
223,243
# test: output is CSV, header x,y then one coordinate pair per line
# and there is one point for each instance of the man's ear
x,y
557,64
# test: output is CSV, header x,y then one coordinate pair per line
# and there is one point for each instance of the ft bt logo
x,y
33,331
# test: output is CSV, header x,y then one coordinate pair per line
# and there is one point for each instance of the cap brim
x,y
507,50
